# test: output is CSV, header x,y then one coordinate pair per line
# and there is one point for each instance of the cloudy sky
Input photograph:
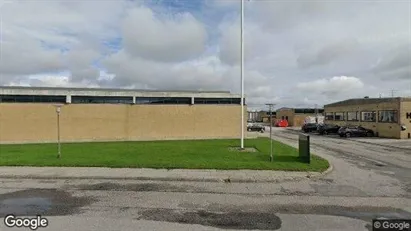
x,y
297,53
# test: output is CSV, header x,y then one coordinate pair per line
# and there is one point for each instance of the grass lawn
x,y
193,154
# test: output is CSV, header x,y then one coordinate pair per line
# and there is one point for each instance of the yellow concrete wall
x,y
388,130
294,120
286,112
405,108
300,118
105,122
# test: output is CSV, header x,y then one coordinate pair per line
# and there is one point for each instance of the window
x,y
368,116
308,111
329,116
32,98
273,113
339,116
352,116
388,116
163,100
217,101
102,99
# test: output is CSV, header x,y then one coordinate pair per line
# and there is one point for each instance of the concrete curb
x,y
294,176
227,180
321,174
329,169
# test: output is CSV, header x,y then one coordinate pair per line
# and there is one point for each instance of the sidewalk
x,y
155,174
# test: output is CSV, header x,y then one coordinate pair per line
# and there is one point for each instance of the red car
x,y
282,123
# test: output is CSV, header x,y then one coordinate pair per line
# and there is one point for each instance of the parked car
x,y
349,131
309,127
325,129
255,127
281,123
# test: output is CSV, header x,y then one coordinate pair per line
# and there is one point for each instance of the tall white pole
x,y
242,74
58,110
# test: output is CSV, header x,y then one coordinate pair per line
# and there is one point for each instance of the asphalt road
x,y
370,166
362,186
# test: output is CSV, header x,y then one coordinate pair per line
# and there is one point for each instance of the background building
x,y
28,114
253,116
384,116
296,116
261,116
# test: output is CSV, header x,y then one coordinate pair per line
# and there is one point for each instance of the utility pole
x,y
270,106
392,93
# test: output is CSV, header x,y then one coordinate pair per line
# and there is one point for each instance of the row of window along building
x,y
29,114
385,116
84,99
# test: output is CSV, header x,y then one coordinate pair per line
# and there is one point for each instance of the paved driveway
x,y
375,169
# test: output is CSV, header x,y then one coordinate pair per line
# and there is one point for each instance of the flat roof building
x,y
28,114
385,116
297,116
261,116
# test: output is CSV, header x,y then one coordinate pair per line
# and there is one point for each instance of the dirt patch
x,y
237,149
227,220
261,217
47,202
143,187
362,213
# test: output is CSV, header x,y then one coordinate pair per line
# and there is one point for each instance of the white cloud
x,y
332,86
79,63
32,42
174,39
204,73
256,42
289,47
23,56
56,80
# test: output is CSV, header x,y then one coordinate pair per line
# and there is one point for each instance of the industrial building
x,y
297,116
261,116
30,114
387,117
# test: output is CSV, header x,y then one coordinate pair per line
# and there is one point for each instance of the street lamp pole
x,y
58,111
242,74
270,105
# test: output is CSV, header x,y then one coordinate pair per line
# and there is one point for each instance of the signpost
x,y
58,111
270,105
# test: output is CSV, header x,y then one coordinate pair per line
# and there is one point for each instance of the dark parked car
x,y
255,127
309,127
348,131
325,129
